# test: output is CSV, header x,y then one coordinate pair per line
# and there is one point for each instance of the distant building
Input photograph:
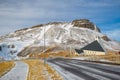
x,y
94,48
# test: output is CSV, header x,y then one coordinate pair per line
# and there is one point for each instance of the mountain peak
x,y
77,34
81,23
85,23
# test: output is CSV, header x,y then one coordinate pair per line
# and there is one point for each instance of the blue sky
x,y
17,14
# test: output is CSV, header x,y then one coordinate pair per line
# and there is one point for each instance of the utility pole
x,y
70,45
44,47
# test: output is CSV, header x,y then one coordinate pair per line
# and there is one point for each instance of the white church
x,y
94,48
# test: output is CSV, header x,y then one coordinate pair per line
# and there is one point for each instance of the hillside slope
x,y
77,34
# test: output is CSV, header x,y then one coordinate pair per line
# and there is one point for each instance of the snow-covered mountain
x,y
76,34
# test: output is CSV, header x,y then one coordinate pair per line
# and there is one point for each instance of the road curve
x,y
72,69
19,72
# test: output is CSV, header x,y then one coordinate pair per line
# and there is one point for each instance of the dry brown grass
x,y
54,54
62,53
53,73
113,57
40,71
5,67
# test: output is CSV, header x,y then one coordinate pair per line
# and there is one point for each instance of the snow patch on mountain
x,y
62,34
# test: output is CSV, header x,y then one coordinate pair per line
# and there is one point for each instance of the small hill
x,y
74,34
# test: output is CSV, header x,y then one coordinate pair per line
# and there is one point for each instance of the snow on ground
x,y
88,58
19,72
100,60
80,70
66,75
61,34
19,45
80,58
94,70
44,30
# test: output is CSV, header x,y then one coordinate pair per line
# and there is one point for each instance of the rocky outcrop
x,y
105,38
50,23
85,23
75,34
38,49
41,25
97,29
28,50
21,30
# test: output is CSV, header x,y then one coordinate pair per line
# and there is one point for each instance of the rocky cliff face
x,y
85,23
77,34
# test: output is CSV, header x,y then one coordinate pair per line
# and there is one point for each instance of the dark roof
x,y
94,46
79,51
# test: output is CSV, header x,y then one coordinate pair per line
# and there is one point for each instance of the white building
x,y
94,48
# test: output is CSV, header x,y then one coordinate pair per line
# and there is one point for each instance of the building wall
x,y
88,52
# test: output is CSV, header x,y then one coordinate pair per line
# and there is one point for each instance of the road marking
x,y
96,76
92,70
65,74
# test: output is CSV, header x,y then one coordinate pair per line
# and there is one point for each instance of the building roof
x,y
94,46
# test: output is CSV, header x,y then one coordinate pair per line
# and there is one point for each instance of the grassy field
x,y
62,53
40,71
111,57
5,67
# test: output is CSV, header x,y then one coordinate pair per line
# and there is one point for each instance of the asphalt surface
x,y
72,69
19,72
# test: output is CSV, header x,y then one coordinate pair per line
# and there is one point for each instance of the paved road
x,y
81,70
19,72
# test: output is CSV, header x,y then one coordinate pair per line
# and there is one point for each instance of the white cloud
x,y
17,13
